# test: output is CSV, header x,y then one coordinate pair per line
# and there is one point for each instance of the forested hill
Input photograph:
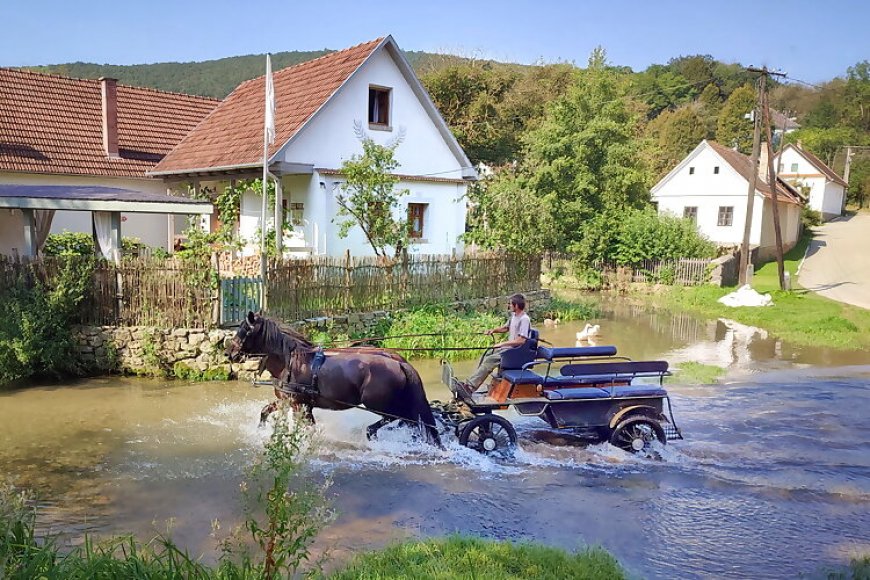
x,y
210,78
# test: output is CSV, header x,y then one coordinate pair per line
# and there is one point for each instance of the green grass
x,y
694,373
797,316
452,329
565,310
459,557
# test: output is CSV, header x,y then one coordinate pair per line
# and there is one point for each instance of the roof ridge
x,y
312,61
25,71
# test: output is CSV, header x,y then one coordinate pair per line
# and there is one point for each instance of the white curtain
x,y
42,218
103,227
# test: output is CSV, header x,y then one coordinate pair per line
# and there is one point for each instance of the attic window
x,y
379,106
691,171
794,167
716,170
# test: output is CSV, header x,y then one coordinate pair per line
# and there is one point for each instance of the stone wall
x,y
197,352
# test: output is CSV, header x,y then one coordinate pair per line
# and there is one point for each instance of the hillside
x,y
212,78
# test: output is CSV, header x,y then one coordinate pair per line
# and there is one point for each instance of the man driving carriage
x,y
518,328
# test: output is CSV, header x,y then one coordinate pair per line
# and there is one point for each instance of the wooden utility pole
x,y
771,182
760,105
750,196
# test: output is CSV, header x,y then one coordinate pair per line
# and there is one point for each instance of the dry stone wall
x,y
199,353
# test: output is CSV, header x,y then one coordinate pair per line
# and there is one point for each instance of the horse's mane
x,y
275,334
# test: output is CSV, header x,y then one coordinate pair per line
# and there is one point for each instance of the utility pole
x,y
750,196
771,182
760,105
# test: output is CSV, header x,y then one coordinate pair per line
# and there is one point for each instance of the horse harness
x,y
305,389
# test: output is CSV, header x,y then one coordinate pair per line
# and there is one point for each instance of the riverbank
x,y
798,316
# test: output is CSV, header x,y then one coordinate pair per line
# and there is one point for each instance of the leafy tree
x,y
733,128
662,89
856,94
859,182
674,135
369,199
824,142
585,157
504,213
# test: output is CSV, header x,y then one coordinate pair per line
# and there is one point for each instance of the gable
x,y
331,136
697,175
808,164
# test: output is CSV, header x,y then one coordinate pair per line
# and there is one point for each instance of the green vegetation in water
x,y
694,373
460,557
450,329
798,316
188,373
566,310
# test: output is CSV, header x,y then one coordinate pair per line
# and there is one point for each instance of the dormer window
x,y
379,107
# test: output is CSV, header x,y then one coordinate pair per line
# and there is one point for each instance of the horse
x,y
380,380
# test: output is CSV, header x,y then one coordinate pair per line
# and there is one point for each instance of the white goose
x,y
589,331
551,322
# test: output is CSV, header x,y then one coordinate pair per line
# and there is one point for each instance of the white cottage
x,y
803,170
710,186
322,106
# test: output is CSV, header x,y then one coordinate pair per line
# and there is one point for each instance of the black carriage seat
x,y
608,372
550,353
513,359
586,393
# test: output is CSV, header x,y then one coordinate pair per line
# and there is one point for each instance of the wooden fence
x,y
322,286
170,293
680,272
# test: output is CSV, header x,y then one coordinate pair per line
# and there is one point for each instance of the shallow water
x,y
773,479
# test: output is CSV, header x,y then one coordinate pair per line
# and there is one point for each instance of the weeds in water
x,y
566,310
448,329
695,373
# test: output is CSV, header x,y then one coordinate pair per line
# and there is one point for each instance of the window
x,y
794,167
716,170
691,213
726,215
691,171
379,106
293,212
416,219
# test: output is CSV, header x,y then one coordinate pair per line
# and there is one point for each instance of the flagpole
x,y
263,209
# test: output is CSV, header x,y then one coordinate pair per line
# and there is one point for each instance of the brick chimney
x,y
109,91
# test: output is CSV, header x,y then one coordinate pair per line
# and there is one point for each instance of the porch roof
x,y
97,198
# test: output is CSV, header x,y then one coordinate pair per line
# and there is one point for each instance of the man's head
x,y
518,303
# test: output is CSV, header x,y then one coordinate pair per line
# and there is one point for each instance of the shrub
x,y
82,244
810,218
35,338
447,330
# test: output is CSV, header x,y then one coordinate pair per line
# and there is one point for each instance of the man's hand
x,y
489,332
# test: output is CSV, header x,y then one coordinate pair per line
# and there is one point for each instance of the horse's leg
x,y
267,410
372,430
307,411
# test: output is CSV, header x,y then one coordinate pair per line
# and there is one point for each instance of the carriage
x,y
588,390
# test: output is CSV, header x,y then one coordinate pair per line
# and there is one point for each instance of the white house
x,y
710,187
802,169
323,108
85,145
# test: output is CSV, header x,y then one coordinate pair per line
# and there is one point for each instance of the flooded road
x,y
772,481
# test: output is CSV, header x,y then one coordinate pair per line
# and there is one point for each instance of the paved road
x,y
837,265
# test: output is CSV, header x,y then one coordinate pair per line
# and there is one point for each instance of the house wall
x,y
708,191
789,223
826,197
11,232
151,229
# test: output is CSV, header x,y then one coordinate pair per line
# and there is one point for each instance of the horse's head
x,y
248,339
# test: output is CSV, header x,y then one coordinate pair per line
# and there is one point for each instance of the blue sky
x,y
810,40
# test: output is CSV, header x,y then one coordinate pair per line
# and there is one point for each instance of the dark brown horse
x,y
380,380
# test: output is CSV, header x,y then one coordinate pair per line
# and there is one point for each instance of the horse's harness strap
x,y
304,388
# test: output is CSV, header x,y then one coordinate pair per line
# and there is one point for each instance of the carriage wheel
x,y
489,434
636,435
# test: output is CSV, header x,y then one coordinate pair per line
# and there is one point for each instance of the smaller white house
x,y
710,187
804,171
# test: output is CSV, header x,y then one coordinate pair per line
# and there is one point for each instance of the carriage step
x,y
671,433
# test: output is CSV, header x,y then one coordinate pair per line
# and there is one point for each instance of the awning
x,y
97,198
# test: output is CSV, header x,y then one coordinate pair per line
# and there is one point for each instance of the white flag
x,y
270,103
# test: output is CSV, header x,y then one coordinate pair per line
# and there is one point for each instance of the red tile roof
x,y
742,164
232,135
53,124
819,164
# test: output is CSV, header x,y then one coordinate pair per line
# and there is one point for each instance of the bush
x,y
448,329
35,339
637,235
82,244
810,218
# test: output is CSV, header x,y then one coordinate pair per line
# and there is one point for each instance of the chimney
x,y
762,162
799,144
109,91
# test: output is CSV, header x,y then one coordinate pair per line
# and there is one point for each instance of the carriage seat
x,y
577,393
522,377
550,353
608,372
517,356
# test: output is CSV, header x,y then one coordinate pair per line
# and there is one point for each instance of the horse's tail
x,y
420,410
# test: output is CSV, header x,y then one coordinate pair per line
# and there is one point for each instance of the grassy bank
x,y
798,316
459,557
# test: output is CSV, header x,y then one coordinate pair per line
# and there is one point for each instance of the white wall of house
x,y
151,229
695,184
825,196
11,232
789,225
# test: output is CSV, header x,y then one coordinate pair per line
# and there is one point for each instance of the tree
x,y
674,135
369,198
733,128
824,143
586,156
859,182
